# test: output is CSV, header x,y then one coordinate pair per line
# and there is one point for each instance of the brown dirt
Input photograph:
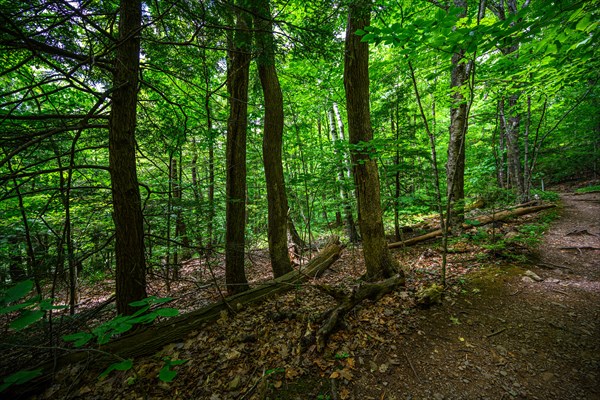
x,y
497,334
509,338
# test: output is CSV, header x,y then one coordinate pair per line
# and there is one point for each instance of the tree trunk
x,y
379,263
511,120
127,210
277,202
341,179
455,167
237,86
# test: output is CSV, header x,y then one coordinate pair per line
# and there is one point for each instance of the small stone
x,y
527,279
438,396
533,276
503,373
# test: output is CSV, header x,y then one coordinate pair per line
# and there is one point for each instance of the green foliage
x,y
30,310
19,378
166,374
123,323
588,189
545,195
124,365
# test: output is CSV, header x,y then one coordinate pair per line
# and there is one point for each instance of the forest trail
x,y
512,337
506,330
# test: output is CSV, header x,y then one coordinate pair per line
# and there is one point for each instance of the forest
x,y
168,165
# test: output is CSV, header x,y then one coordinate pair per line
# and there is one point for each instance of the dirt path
x,y
505,336
517,339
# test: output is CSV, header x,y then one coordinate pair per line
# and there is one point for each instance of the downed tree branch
x,y
367,290
152,339
500,216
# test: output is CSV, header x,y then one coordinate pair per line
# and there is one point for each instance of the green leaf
x,y
120,366
166,374
19,378
583,23
359,32
369,37
167,312
140,303
80,338
177,362
26,319
18,291
14,307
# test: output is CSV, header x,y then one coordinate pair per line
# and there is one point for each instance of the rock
x,y
552,280
527,279
430,295
533,276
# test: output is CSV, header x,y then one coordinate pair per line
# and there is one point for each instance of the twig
x,y
411,367
251,388
551,266
334,394
495,333
580,248
560,291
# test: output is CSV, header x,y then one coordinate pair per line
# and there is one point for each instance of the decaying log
x,y
152,339
484,220
365,291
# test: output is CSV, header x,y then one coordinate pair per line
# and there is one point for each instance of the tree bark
x,y
127,211
343,167
511,119
237,86
277,202
378,261
346,302
455,167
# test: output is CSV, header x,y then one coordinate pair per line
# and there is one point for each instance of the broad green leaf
x,y
80,338
19,378
15,307
167,312
583,23
28,318
369,37
120,366
166,374
18,291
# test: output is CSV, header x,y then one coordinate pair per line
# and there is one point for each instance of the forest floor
x,y
521,328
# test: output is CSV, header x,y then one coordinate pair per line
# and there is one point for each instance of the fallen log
x,y
152,339
484,220
365,291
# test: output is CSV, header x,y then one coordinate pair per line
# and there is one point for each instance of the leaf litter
x,y
481,342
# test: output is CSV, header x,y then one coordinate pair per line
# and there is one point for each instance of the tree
x,y
127,205
277,202
379,262
455,167
238,75
343,170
